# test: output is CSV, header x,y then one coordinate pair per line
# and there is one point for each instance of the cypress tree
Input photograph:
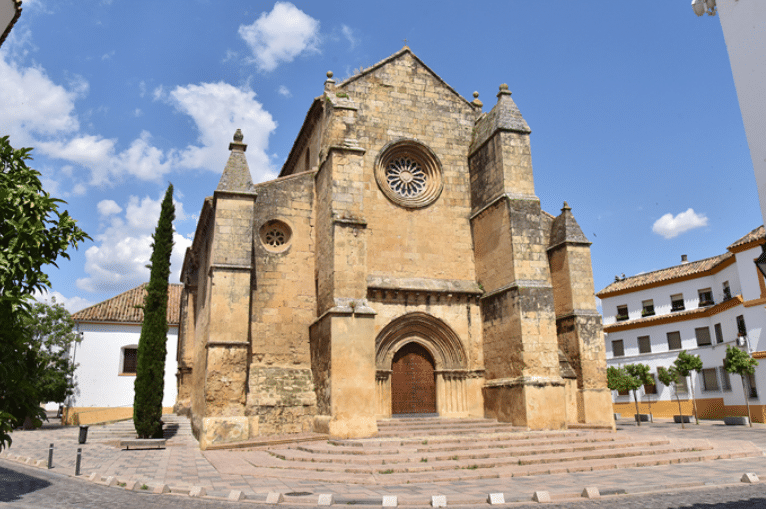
x,y
150,369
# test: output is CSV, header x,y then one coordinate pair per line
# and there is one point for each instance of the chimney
x,y
684,259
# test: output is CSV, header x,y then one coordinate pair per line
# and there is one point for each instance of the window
x,y
674,340
128,360
741,328
750,382
703,336
677,302
647,308
682,386
652,387
409,174
617,348
726,291
725,380
644,344
706,297
622,313
709,379
623,393
718,333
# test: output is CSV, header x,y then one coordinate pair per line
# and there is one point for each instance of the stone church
x,y
399,264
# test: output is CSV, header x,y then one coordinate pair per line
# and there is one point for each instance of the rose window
x,y
405,177
276,236
409,174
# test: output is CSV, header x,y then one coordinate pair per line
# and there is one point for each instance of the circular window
x,y
409,174
276,235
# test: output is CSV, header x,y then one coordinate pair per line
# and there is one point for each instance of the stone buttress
x,y
523,380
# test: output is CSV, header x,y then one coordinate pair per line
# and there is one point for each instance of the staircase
x,y
176,428
441,450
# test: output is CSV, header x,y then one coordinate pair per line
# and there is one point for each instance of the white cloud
x,y
33,105
108,207
281,35
284,91
348,33
118,262
108,56
137,112
159,93
669,226
71,304
218,110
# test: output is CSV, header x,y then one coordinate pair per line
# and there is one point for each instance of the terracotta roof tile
x,y
669,274
123,308
757,234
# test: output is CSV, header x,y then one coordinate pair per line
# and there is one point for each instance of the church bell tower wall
x,y
281,396
523,380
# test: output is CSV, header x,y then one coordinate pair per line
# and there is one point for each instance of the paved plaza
x,y
183,470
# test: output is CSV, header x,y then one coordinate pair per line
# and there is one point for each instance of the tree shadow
x,y
13,485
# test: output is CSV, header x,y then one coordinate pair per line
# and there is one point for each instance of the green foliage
x,y
640,372
53,335
33,234
685,363
152,348
739,362
618,379
667,376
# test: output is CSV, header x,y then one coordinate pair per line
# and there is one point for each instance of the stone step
x,y
446,440
424,455
426,462
265,466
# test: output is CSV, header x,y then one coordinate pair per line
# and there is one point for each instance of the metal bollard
x,y
77,463
50,456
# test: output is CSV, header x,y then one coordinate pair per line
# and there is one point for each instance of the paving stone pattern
x,y
182,467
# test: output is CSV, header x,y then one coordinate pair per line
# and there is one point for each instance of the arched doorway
x,y
413,384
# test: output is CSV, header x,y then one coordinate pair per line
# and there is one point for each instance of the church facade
x,y
399,264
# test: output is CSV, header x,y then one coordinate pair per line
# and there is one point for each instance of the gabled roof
x,y
685,271
125,307
399,54
669,275
754,237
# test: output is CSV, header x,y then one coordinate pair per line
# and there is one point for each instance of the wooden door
x,y
413,388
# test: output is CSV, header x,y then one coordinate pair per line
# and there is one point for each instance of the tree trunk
x,y
638,415
694,401
747,400
680,412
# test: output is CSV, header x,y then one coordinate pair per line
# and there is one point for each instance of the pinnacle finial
x,y
237,143
566,207
476,102
503,90
329,75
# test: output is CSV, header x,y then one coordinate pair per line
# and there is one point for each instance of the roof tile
x,y
125,307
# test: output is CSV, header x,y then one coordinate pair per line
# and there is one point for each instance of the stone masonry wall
x,y
404,100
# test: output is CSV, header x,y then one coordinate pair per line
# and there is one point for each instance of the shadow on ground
x,y
13,485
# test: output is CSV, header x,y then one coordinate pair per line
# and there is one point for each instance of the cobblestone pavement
x,y
182,466
23,487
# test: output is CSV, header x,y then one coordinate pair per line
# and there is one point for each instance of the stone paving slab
x,y
182,467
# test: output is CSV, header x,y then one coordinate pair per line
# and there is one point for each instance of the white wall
x,y
99,383
744,30
661,294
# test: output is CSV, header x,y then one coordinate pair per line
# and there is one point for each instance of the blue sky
x,y
632,106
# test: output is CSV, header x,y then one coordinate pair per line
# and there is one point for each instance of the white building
x,y
744,30
701,307
106,357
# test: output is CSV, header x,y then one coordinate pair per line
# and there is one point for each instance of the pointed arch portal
x,y
421,367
